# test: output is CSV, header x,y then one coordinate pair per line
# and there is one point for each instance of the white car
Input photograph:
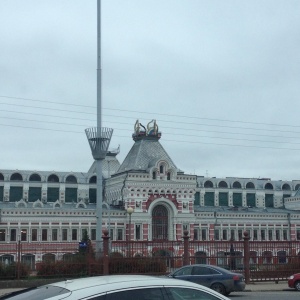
x,y
118,287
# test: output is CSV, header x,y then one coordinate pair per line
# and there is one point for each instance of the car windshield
x,y
37,293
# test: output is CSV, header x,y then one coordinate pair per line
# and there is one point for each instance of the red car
x,y
294,281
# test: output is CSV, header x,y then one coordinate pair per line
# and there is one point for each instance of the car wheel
x,y
219,287
297,285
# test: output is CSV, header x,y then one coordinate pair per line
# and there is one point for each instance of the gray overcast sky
x,y
220,77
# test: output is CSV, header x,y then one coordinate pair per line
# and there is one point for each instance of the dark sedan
x,y
216,278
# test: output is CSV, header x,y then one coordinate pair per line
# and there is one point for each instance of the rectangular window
x,y
232,234
209,199
1,193
138,231
74,235
54,234
197,198
71,195
15,193
270,233
255,235
34,194
93,195
263,235
52,194
196,233
13,235
64,234
24,235
298,234
119,234
240,234
223,199
84,234
285,235
277,234
93,234
112,236
250,199
217,234
34,235
224,235
269,201
44,235
2,235
203,234
237,199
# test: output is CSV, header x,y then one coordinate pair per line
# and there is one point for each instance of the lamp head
x,y
130,210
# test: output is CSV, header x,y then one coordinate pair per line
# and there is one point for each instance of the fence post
x,y
105,238
186,258
246,257
19,260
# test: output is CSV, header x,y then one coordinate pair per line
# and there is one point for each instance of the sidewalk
x,y
251,287
267,286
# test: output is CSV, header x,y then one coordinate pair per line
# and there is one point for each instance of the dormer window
x,y
161,169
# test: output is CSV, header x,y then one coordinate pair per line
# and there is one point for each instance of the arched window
x,y
223,184
297,187
253,257
250,185
161,169
48,257
53,178
281,257
208,184
71,179
153,175
16,177
267,257
160,223
269,186
169,176
236,185
35,177
1,177
93,179
286,187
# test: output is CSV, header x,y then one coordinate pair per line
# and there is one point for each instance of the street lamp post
x,y
99,137
129,211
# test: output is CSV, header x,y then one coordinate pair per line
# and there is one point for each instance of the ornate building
x,y
50,207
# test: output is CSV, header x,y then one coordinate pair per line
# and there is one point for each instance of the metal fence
x,y
259,260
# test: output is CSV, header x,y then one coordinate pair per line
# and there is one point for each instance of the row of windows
x,y
249,185
51,178
237,235
54,234
237,199
35,193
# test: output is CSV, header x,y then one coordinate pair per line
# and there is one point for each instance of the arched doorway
x,y
160,223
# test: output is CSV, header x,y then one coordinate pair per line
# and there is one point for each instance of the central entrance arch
x,y
160,223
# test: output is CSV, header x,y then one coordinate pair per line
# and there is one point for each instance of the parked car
x,y
216,278
116,287
294,281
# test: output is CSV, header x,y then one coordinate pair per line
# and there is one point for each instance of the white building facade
x,y
57,207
